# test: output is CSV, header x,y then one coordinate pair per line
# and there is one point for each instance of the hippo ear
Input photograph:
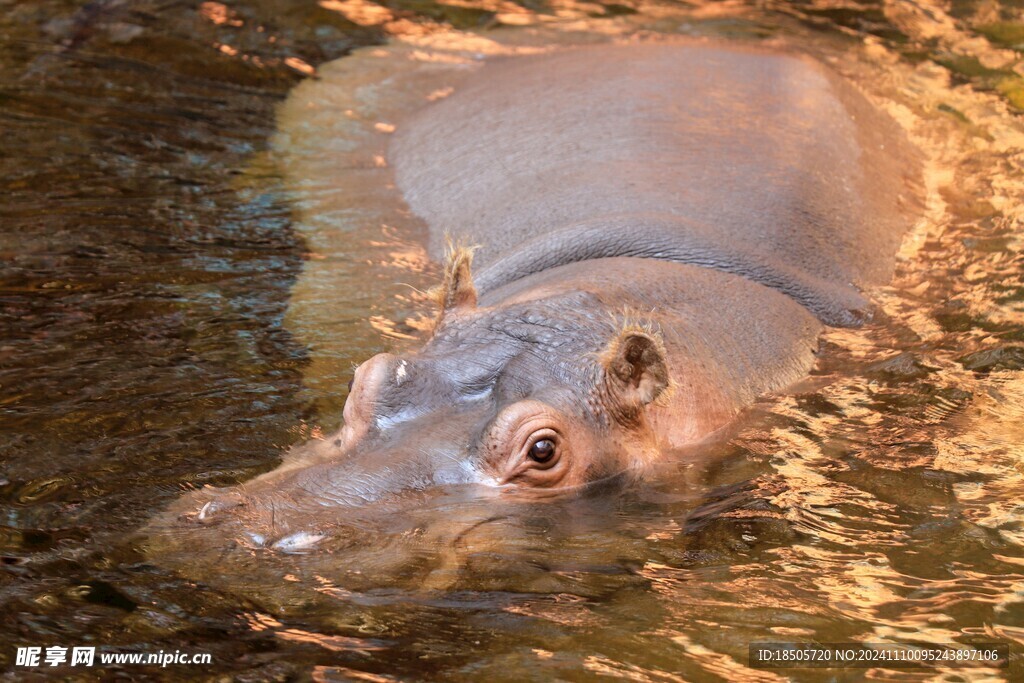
x,y
457,291
635,367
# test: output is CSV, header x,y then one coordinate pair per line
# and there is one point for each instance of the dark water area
x,y
145,274
175,314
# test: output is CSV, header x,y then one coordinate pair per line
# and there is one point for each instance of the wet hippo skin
x,y
756,163
661,232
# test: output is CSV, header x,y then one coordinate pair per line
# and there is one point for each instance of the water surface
x,y
185,290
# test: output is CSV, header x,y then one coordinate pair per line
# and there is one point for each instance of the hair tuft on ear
x,y
456,291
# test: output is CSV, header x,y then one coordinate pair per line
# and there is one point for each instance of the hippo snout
x,y
301,504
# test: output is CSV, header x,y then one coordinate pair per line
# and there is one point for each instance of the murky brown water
x,y
185,289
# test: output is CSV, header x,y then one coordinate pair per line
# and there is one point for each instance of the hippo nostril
x,y
210,512
257,540
297,542
350,383
204,511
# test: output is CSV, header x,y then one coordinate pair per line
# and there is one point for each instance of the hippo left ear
x,y
457,291
635,366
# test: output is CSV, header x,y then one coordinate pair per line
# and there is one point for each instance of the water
x,y
184,292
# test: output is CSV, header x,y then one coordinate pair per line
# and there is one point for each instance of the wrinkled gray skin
x,y
663,231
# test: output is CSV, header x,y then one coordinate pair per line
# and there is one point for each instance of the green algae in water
x,y
1012,88
969,67
1004,33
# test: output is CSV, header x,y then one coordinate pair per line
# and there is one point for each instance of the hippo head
x,y
544,391
542,394
539,392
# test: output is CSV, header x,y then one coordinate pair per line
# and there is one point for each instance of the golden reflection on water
x,y
360,12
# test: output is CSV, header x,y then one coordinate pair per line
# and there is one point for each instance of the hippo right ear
x,y
635,367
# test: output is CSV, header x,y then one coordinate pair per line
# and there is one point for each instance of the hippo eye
x,y
542,451
527,445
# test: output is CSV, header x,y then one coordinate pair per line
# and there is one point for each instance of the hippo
x,y
639,240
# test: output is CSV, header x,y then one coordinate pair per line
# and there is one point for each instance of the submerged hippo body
x,y
662,231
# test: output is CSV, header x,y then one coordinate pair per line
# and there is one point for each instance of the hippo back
x,y
756,161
